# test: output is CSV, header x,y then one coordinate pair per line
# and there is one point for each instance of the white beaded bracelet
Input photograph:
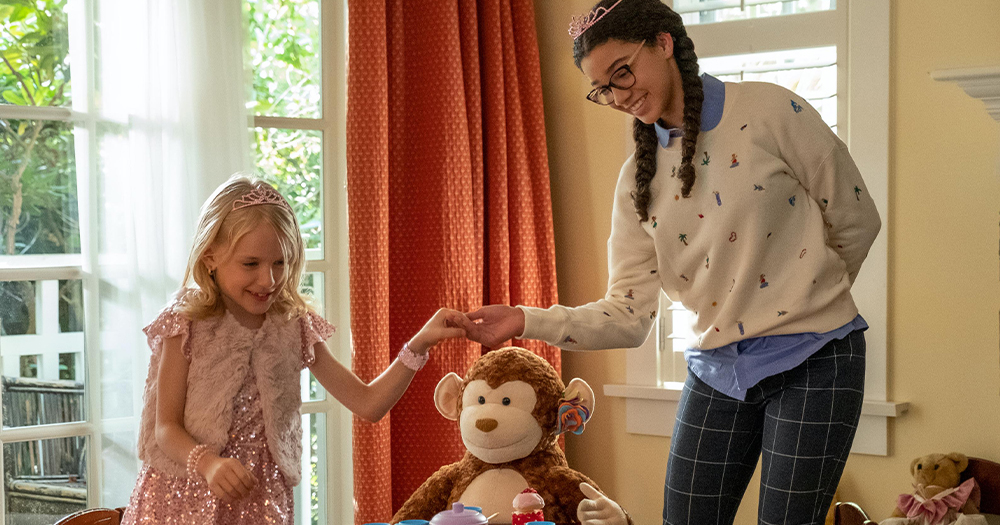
x,y
194,457
411,360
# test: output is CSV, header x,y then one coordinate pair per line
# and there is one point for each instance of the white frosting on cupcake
x,y
528,501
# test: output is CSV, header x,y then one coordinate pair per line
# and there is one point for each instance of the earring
x,y
211,273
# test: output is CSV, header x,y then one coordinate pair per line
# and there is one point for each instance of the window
x,y
41,305
826,51
710,11
297,57
52,308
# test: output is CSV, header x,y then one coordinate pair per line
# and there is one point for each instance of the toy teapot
x,y
459,515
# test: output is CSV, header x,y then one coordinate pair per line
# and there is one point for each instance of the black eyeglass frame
x,y
594,95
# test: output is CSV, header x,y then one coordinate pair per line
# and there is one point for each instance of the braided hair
x,y
635,21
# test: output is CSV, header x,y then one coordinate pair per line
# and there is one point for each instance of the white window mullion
x,y
289,123
768,34
684,7
67,273
82,50
53,431
58,113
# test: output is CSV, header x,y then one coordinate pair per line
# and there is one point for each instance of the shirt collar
x,y
711,110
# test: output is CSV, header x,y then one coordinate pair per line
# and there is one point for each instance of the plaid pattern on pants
x,y
803,420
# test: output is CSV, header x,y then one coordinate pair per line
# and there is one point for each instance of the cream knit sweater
x,y
769,242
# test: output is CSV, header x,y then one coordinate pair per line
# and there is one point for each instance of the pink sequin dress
x,y
164,499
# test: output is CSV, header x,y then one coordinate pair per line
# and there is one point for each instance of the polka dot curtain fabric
x,y
449,205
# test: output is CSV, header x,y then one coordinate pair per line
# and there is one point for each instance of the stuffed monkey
x,y
510,408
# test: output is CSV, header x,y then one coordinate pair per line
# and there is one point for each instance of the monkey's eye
x,y
920,466
482,400
506,401
937,467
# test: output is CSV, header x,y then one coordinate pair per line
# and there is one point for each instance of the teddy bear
x,y
939,496
511,408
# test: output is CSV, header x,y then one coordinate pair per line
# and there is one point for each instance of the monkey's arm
x,y
564,483
431,497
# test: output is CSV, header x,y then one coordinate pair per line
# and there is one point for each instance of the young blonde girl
x,y
221,429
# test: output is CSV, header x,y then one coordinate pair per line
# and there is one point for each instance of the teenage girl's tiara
x,y
579,24
261,195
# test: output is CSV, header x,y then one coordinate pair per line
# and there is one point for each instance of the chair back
x,y
987,474
93,517
847,513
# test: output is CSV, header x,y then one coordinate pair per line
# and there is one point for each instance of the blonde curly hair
x,y
220,227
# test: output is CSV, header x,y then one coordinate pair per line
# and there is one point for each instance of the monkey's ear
x,y
580,390
446,396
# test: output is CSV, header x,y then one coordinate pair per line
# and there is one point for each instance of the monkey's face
x,y
497,424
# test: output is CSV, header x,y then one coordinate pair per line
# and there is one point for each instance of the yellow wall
x,y
944,287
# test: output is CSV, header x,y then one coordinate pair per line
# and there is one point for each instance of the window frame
x,y
860,30
336,455
69,266
332,261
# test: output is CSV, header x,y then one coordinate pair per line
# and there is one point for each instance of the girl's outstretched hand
x,y
445,324
227,478
497,323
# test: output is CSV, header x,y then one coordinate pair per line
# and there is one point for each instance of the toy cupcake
x,y
527,507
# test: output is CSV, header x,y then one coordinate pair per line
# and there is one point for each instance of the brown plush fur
x,y
544,468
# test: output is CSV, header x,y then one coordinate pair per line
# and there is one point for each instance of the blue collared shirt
x,y
711,110
735,368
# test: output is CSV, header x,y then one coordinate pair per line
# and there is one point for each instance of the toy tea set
x,y
527,511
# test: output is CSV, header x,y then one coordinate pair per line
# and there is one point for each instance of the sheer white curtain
x,y
173,124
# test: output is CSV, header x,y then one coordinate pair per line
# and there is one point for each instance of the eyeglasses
x,y
622,78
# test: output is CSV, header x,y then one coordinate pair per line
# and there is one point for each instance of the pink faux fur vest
x,y
220,352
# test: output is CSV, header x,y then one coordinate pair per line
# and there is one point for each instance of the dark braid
x,y
645,165
635,21
687,62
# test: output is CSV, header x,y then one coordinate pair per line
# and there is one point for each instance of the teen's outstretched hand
x,y
598,509
445,324
497,323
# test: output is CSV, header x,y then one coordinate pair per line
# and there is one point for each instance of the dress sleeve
x,y
169,323
314,329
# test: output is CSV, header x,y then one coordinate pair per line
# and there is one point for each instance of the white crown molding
x,y
979,82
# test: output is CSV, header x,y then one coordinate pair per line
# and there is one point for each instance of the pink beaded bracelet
x,y
411,360
194,457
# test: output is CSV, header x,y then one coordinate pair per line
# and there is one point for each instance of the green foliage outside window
x,y
284,54
284,45
38,200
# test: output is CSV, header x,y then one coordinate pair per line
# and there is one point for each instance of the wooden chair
x,y
847,513
987,474
93,517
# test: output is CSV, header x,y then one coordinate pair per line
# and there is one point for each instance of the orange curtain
x,y
449,205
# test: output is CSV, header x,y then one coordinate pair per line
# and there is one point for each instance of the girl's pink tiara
x,y
261,195
579,24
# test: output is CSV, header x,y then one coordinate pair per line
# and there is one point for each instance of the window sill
x,y
650,410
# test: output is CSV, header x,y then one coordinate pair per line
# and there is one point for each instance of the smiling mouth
x,y
638,103
260,297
